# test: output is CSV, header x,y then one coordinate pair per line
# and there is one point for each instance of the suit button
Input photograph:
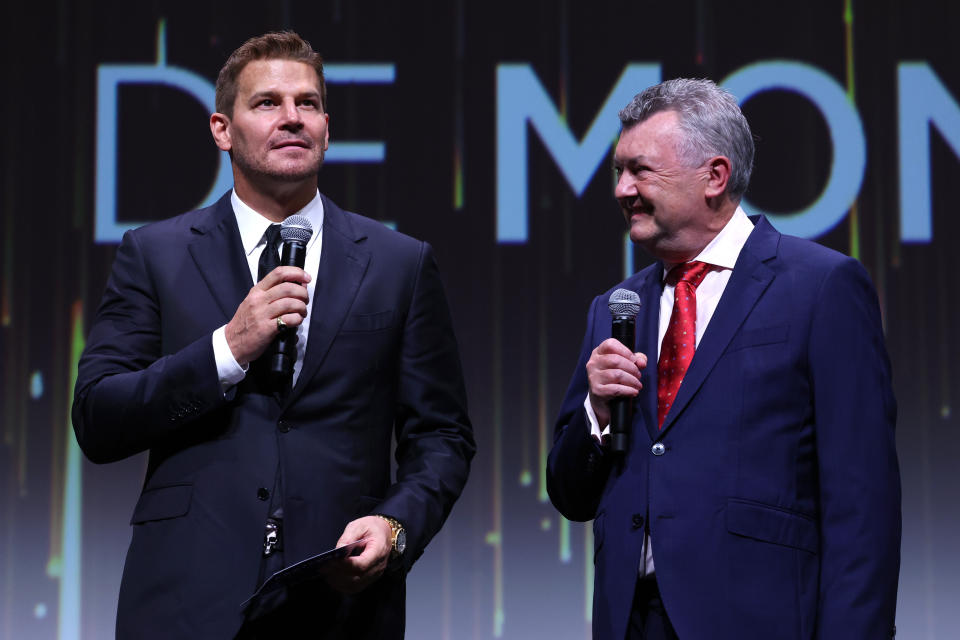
x,y
262,493
658,449
637,521
283,426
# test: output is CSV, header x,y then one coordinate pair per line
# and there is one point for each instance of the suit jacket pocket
x,y
759,337
162,503
772,524
359,322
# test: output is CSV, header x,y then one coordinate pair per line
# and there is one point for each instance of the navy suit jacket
x,y
381,362
774,509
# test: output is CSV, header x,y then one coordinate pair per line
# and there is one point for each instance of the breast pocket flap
x,y
759,337
161,503
368,321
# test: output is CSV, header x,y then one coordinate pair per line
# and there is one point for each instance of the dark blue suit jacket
x,y
381,362
774,511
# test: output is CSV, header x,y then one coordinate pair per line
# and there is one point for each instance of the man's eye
x,y
311,104
266,102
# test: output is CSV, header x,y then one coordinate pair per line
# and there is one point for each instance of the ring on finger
x,y
281,325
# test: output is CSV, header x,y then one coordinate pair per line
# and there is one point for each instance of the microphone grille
x,y
624,302
296,228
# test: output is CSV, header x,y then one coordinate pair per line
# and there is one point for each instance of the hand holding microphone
x,y
613,370
253,330
281,355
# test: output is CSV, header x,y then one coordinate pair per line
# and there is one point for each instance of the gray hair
x,y
710,119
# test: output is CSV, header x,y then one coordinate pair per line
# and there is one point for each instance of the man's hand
x,y
281,294
356,573
613,372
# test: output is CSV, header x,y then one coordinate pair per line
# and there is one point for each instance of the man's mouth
x,y
635,208
294,142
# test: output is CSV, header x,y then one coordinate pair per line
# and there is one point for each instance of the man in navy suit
x,y
759,496
245,475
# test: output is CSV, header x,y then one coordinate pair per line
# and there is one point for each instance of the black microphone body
x,y
282,352
624,306
624,330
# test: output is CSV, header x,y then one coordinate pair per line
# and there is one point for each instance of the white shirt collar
x,y
252,225
725,247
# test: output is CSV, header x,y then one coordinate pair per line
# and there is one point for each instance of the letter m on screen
x,y
521,99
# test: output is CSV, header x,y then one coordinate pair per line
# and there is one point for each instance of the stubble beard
x,y
262,170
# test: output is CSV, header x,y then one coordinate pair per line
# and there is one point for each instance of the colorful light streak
x,y
848,49
495,536
68,620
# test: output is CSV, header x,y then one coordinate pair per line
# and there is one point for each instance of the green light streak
x,y
848,37
162,42
457,180
543,375
565,554
495,537
68,619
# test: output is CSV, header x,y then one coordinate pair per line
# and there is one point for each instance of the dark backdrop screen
x,y
485,129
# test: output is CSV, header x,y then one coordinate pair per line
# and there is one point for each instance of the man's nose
x,y
290,115
625,187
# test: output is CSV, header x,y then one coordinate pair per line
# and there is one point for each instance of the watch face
x,y
401,541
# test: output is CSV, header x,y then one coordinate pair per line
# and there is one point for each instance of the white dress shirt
x,y
253,227
722,252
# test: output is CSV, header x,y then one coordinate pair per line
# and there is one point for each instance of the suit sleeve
x,y
129,397
434,436
577,468
855,414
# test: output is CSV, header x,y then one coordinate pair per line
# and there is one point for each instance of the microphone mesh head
x,y
624,302
296,228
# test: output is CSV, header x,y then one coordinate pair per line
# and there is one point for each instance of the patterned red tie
x,y
680,340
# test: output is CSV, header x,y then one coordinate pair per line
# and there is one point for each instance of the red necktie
x,y
680,341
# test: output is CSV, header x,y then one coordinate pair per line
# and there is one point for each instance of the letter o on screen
x,y
846,136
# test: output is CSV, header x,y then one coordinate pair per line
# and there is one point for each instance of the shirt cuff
x,y
595,430
228,369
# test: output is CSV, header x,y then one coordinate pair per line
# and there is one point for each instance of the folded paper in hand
x,y
306,569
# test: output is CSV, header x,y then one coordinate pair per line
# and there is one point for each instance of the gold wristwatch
x,y
398,539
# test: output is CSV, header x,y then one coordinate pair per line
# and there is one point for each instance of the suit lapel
x,y
218,253
343,264
750,278
647,334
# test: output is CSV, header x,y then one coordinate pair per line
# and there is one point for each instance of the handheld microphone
x,y
295,233
624,306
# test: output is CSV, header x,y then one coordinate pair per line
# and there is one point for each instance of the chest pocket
x,y
759,337
366,322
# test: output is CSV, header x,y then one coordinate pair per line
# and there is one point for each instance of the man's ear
x,y
718,176
220,129
326,134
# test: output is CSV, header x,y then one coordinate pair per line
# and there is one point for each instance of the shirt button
x,y
658,449
637,521
283,426
262,493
